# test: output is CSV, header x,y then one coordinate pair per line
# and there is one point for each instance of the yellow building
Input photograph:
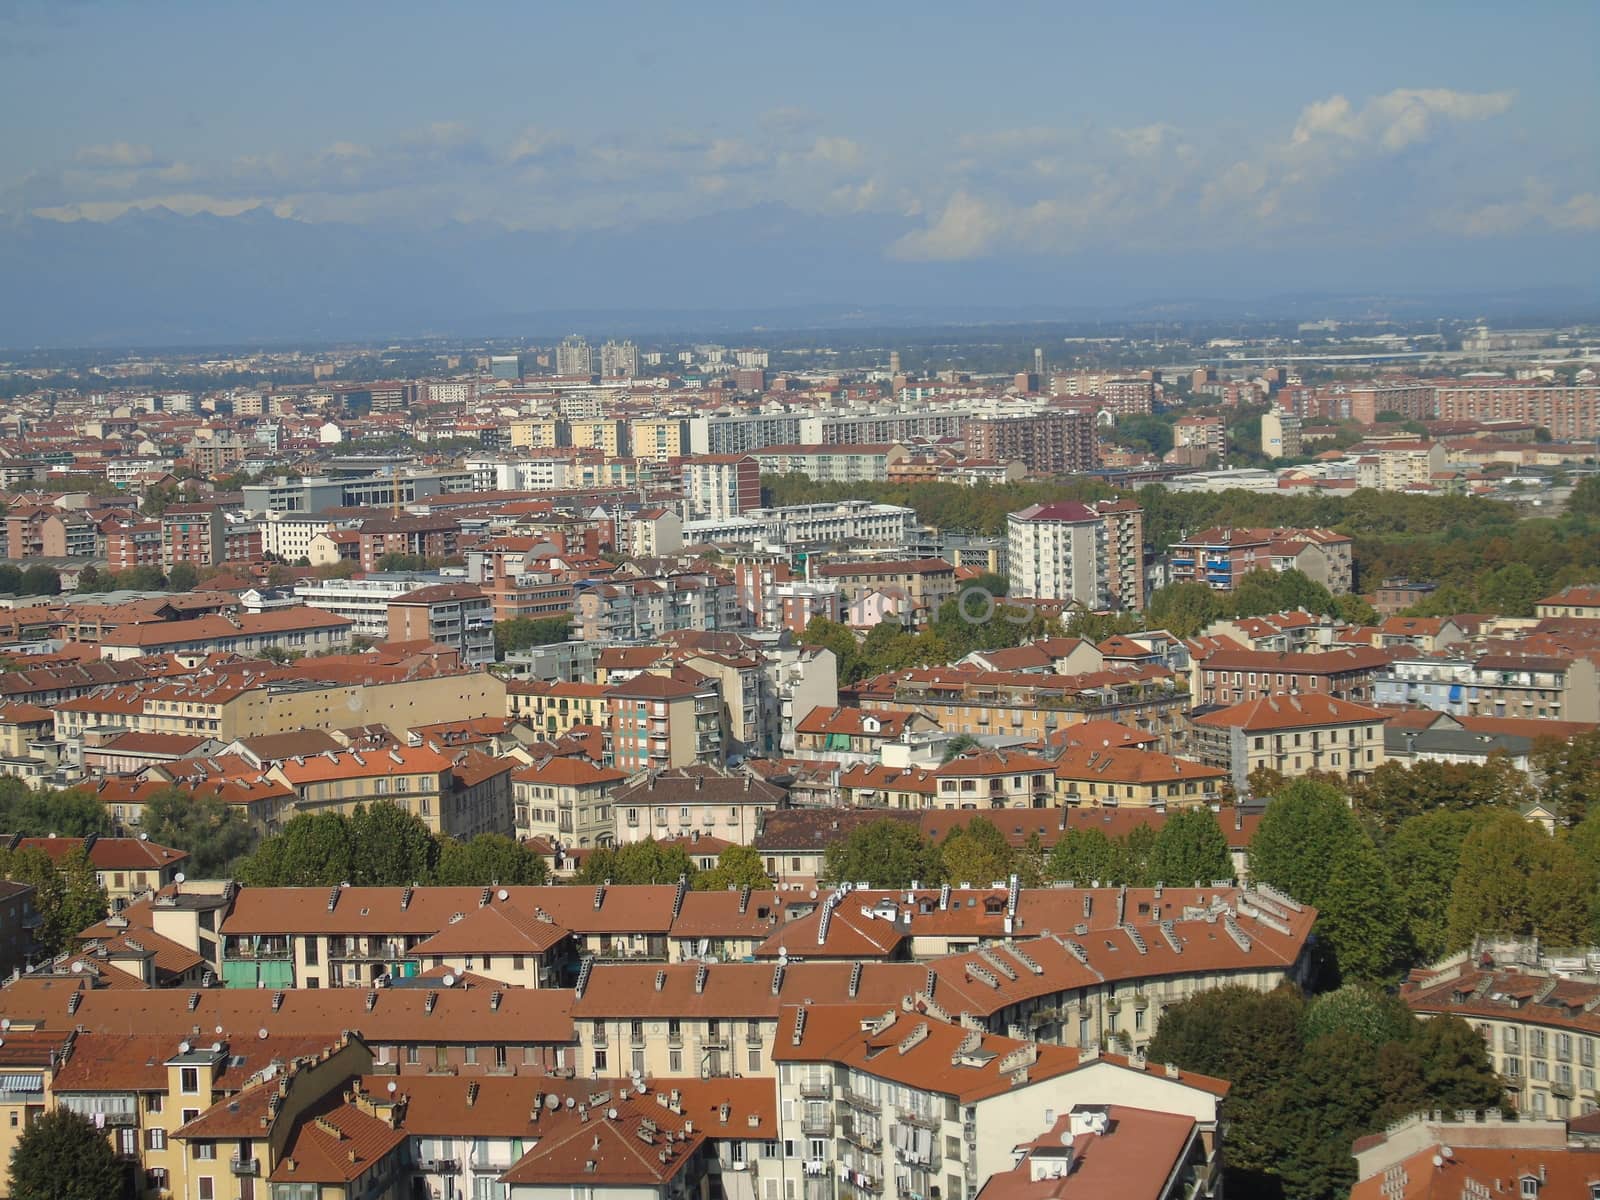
x,y
539,433
600,433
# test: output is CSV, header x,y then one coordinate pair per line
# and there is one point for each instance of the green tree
x,y
10,580
1353,610
1510,591
1189,849
886,853
648,861
1334,1092
390,847
1397,791
41,580
213,833
83,900
182,578
959,745
62,1156
89,580
1516,879
737,867
978,853
67,895
836,637
520,633
48,811
489,858
1571,771
1585,498
1310,845
1183,609
1424,858
1455,1066
1087,855
1362,1010
313,850
1031,863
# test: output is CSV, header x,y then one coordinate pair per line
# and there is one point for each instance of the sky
x,y
1061,135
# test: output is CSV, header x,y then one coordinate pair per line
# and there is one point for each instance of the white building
x,y
1059,552
364,602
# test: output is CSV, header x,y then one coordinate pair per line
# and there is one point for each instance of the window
x,y
599,1062
208,1188
675,1062
189,1080
755,1062
205,1151
413,1056
154,1139
1530,1187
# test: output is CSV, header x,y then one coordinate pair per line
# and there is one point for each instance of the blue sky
x,y
969,133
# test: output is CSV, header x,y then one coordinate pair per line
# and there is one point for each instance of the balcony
x,y
865,1139
438,1166
856,1100
816,1089
245,1166
921,1120
817,1124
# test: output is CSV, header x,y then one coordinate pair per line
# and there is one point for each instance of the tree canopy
x,y
884,853
62,1156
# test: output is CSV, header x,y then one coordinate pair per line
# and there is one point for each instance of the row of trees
x,y
1429,886
381,845
651,861
1310,1077
1185,609
1189,848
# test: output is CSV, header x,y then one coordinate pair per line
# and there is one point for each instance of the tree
x,y
314,850
40,580
1585,498
1030,862
1571,771
488,859
832,635
1085,856
1310,846
886,853
1189,849
89,579
1455,1066
10,580
519,633
83,900
1516,879
737,867
1424,858
390,847
1183,609
213,833
41,813
959,745
1353,610
182,578
1360,1009
648,861
62,1156
1397,791
977,854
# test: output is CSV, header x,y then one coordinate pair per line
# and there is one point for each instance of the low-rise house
x,y
1292,735
682,801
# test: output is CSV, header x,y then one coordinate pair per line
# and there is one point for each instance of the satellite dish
x,y
503,894
449,981
552,1102
393,1087
183,1047
178,878
144,837
216,1047
612,1113
783,954
5,1022
77,968
262,1034
572,1102
217,1031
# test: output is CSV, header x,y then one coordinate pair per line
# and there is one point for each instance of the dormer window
x,y
1530,1187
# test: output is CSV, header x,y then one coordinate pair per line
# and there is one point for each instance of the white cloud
x,y
966,228
1396,119
115,154
1535,209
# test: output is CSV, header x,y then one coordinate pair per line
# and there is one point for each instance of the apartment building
x,y
994,779
1576,601
295,630
1553,687
1541,1028
1055,442
1570,413
1219,557
1059,551
566,801
1124,545
694,801
916,588
456,615
132,543
1292,735
1233,676
1478,1154
1280,434
852,463
719,486
654,722
194,534
363,602
1101,776
127,868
